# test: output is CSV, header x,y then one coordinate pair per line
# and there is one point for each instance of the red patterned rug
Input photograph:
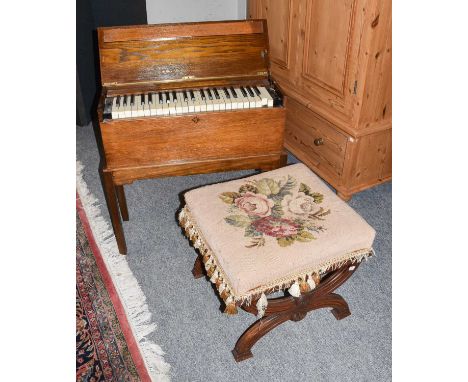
x,y
105,347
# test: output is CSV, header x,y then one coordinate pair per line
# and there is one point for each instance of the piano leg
x,y
274,164
113,207
283,159
122,202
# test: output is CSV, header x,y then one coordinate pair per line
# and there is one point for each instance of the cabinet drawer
x,y
314,140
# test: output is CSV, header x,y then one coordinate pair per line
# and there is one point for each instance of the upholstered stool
x,y
278,230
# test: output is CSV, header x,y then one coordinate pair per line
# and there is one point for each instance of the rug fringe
x,y
128,289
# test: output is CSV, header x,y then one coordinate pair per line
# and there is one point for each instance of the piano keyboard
x,y
178,102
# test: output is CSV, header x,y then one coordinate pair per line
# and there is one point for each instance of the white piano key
x,y
234,103
198,102
178,103
165,104
172,104
221,100
137,111
258,100
214,101
159,104
252,101
120,109
183,103
191,103
203,105
208,101
143,104
267,100
133,107
147,105
114,112
154,103
115,108
242,102
226,100
127,107
250,98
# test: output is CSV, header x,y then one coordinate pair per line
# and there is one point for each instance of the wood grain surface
x,y
169,53
344,80
164,140
152,58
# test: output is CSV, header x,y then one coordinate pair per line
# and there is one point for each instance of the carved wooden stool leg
x,y
112,205
122,202
341,309
198,267
242,350
291,308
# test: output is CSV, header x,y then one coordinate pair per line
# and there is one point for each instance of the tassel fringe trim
x,y
296,284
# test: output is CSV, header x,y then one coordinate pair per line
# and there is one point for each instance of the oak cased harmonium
x,y
180,99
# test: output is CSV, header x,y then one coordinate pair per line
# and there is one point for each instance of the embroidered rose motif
x,y
301,204
276,227
254,204
259,207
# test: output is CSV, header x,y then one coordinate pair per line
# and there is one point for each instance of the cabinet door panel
x,y
327,43
253,9
278,15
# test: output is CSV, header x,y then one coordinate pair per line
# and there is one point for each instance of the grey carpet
x,y
198,338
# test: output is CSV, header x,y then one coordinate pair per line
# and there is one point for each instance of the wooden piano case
x,y
149,58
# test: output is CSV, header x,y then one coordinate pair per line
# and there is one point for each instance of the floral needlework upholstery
x,y
269,230
284,209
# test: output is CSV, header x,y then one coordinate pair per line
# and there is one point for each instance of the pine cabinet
x,y
332,58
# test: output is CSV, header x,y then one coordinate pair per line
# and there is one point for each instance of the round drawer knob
x,y
318,142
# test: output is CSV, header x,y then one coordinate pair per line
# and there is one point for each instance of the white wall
x,y
173,11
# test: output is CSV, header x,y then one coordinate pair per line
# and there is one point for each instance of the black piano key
x,y
132,100
142,99
244,93
203,95
118,101
257,90
192,95
216,93
185,95
227,93
174,95
125,99
210,95
234,94
150,98
168,99
160,98
251,93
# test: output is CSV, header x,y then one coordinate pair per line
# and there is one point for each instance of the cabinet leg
x,y
122,202
113,207
345,197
